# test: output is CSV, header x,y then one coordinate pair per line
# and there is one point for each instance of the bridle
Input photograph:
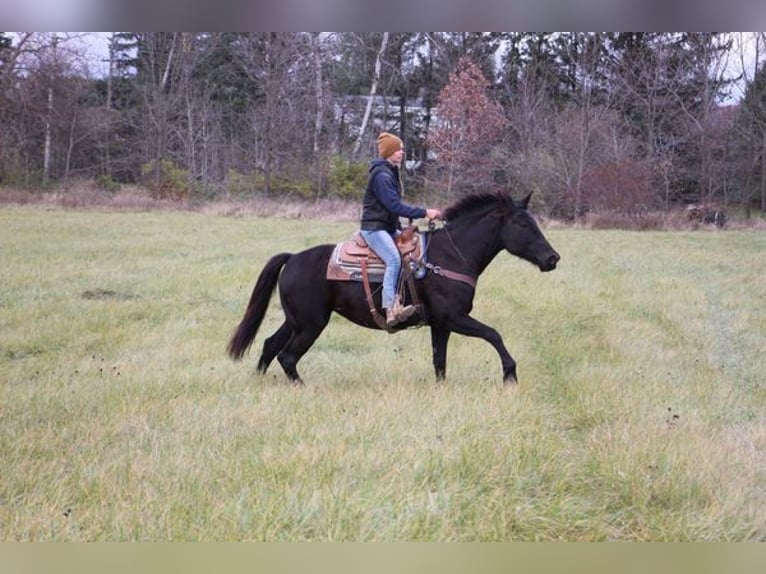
x,y
437,269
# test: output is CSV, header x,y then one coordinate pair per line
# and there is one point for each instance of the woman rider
x,y
381,210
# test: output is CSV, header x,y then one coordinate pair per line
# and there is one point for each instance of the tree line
x,y
619,122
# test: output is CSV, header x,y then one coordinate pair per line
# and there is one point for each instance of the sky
x,y
98,46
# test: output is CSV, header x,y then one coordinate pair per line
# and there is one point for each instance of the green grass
x,y
639,414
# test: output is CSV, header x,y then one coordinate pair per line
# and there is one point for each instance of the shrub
x,y
106,183
285,185
621,187
173,180
347,180
239,184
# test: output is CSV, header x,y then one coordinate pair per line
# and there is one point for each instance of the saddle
x,y
346,261
353,260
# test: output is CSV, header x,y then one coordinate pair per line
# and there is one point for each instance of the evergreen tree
x,y
749,145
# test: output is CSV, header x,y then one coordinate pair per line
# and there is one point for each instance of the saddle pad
x,y
342,268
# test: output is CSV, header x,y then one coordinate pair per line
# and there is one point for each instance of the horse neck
x,y
471,241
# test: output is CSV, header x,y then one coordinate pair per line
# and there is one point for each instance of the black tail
x,y
256,309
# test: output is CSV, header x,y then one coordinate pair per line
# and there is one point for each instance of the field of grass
x,y
640,413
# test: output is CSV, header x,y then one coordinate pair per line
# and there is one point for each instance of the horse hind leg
x,y
295,349
273,345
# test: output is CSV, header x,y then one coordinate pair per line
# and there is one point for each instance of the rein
x,y
437,269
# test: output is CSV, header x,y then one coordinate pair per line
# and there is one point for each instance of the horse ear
x,y
525,202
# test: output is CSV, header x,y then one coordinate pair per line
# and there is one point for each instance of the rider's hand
x,y
433,214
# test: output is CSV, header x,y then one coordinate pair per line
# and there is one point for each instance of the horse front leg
x,y
439,339
466,325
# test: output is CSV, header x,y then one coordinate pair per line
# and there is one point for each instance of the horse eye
x,y
522,222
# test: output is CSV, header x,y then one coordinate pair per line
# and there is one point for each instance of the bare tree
x,y
373,92
706,62
41,81
316,53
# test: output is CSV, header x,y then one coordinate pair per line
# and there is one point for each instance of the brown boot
x,y
402,312
399,315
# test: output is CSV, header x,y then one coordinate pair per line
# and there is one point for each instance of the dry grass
x,y
87,195
639,415
79,194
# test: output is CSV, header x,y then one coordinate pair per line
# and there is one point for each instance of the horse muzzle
x,y
550,263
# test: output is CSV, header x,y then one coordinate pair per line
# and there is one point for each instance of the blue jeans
x,y
382,243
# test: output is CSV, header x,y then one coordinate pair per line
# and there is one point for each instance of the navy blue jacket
x,y
383,205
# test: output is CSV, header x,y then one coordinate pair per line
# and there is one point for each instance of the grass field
x,y
640,414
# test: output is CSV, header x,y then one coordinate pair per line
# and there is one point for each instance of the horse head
x,y
521,236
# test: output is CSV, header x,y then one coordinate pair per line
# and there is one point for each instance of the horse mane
x,y
475,202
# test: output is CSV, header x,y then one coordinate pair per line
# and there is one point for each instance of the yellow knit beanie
x,y
388,144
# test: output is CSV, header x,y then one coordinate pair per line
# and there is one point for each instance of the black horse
x,y
477,228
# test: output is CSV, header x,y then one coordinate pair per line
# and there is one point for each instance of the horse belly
x,y
349,301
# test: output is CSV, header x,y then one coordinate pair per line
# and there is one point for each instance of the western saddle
x,y
353,260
